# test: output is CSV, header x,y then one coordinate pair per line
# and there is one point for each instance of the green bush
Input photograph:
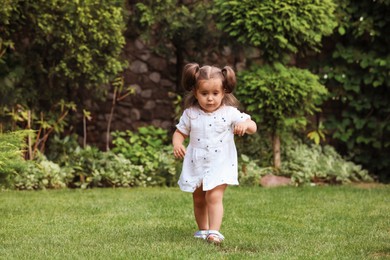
x,y
16,172
280,97
66,48
90,167
148,147
310,164
249,171
278,28
356,71
304,163
41,174
93,168
11,155
257,147
143,160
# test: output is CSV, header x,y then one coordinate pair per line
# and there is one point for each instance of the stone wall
x,y
154,79
151,104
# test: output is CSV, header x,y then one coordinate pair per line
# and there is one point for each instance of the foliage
x,y
249,171
357,75
176,30
314,163
12,146
278,97
181,24
142,160
318,134
54,120
58,49
41,174
69,165
257,147
120,92
60,149
148,147
91,167
278,28
303,163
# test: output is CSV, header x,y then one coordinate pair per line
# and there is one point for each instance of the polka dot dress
x,y
211,156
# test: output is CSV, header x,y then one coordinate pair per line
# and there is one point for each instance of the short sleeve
x,y
184,125
237,116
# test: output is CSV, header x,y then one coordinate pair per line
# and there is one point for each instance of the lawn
x,y
154,223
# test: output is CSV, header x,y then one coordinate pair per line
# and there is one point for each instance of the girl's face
x,y
210,94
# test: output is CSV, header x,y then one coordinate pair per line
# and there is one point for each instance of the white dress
x,y
211,156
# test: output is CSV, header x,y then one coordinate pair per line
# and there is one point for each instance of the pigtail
x,y
190,75
229,79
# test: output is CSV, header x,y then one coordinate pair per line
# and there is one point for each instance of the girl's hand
x,y
246,127
240,128
179,151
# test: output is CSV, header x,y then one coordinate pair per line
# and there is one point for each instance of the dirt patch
x,y
380,255
369,185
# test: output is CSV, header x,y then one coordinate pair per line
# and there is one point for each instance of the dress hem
x,y
197,186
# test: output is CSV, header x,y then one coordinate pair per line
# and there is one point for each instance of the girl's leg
x,y
200,209
214,199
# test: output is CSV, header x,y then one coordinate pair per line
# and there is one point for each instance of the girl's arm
x,y
246,127
177,141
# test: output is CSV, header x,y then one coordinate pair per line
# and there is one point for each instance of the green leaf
x,y
341,30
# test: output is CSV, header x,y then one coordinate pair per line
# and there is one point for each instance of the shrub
x,y
249,171
93,168
15,172
279,99
278,28
41,174
89,167
314,163
148,147
11,155
257,146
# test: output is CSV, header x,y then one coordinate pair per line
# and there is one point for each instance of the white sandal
x,y
201,234
215,237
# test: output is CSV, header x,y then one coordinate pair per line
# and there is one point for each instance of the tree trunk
x,y
108,134
84,131
276,150
30,152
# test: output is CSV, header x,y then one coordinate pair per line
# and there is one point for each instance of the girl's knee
x,y
199,201
215,195
199,198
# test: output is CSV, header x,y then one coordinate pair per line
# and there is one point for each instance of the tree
x,y
281,29
58,50
280,98
357,75
177,29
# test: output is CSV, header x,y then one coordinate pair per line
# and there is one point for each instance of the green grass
x,y
155,223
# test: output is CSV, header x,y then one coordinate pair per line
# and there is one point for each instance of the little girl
x,y
210,120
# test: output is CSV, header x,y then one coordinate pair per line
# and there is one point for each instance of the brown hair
x,y
193,73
